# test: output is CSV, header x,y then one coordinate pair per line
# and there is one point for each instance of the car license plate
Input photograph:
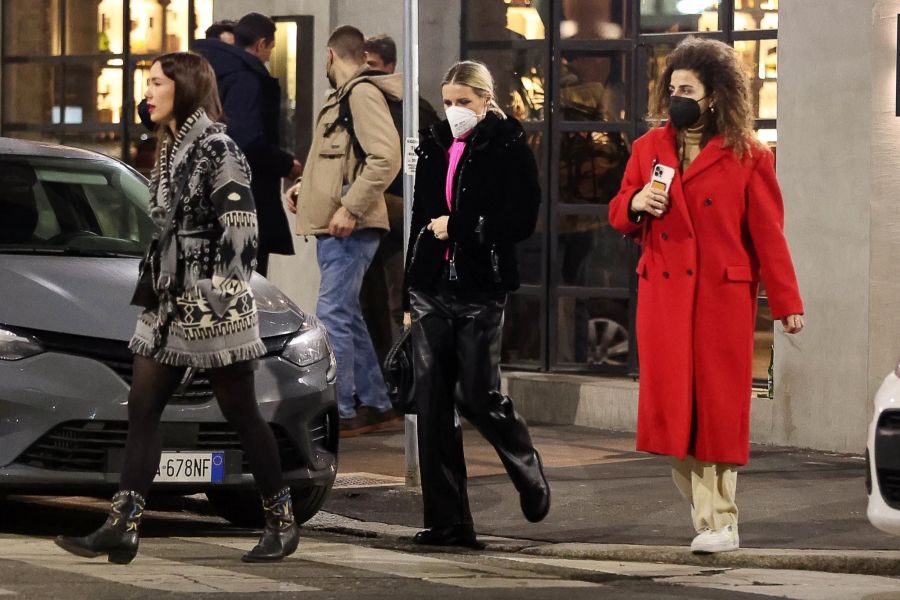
x,y
191,467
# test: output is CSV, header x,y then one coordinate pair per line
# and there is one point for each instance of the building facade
x,y
578,73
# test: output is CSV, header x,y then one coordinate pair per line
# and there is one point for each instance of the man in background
x,y
381,296
355,155
251,100
221,30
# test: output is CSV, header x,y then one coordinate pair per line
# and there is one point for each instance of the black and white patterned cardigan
x,y
207,316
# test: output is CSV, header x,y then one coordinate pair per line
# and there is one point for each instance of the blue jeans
x,y
343,262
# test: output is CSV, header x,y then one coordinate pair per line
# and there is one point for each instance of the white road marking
x,y
796,585
412,566
145,572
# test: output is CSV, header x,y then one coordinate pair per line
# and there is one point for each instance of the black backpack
x,y
345,120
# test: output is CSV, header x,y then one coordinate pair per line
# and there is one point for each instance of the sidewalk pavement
x,y
799,509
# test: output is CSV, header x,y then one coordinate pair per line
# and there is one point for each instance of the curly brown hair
x,y
716,66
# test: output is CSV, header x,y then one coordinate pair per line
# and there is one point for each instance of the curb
x,y
856,562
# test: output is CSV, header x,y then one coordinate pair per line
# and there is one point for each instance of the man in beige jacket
x,y
340,200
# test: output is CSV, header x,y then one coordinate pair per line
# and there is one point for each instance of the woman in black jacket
x,y
476,196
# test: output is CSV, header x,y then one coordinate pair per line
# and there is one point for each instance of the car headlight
x,y
15,346
309,345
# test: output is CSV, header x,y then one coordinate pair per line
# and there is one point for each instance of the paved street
x,y
194,555
617,530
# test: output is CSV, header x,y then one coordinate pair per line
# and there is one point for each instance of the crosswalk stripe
x,y
411,565
146,572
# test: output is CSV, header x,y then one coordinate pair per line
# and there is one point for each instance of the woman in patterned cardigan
x,y
201,312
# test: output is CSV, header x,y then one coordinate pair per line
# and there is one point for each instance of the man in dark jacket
x,y
251,99
384,279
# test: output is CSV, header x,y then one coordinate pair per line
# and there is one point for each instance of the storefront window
x,y
78,98
110,17
522,338
590,252
594,19
518,80
755,14
593,332
203,13
576,87
591,165
158,27
505,20
594,87
673,16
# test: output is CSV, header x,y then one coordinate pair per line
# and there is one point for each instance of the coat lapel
x,y
667,155
712,153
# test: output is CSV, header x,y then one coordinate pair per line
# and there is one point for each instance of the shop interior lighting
x,y
693,7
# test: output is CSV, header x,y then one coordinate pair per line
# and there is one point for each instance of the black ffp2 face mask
x,y
684,112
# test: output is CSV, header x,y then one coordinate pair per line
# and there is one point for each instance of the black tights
x,y
152,385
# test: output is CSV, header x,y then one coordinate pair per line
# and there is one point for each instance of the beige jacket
x,y
332,175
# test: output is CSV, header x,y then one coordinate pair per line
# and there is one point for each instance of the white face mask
x,y
462,120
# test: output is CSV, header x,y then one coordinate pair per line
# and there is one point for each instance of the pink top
x,y
453,156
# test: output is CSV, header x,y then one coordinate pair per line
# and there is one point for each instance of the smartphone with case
x,y
662,177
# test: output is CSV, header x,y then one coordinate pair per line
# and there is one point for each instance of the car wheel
x,y
244,508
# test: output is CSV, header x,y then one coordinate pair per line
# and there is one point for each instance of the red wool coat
x,y
699,273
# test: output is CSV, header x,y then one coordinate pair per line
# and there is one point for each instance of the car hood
x,y
90,297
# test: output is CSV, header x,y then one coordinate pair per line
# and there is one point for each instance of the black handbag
x,y
398,374
144,293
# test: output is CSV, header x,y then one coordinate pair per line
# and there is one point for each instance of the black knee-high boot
x,y
281,535
118,537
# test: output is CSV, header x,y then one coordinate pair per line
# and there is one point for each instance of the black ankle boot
x,y
281,534
118,537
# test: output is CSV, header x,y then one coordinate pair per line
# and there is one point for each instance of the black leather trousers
x,y
456,345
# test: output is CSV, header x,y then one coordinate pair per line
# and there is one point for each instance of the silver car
x,y
73,226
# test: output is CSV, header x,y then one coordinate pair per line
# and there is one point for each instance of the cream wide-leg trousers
x,y
710,489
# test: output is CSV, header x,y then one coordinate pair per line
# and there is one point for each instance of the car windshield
x,y
72,206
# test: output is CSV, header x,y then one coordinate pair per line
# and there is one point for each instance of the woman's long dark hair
x,y
716,65
195,86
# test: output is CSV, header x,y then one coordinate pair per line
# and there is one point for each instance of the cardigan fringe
x,y
201,360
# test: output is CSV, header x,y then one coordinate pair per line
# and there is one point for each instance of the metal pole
x,y
410,141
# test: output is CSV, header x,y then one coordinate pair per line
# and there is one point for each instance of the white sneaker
x,y
710,541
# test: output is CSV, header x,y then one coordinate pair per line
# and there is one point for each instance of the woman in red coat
x,y
706,243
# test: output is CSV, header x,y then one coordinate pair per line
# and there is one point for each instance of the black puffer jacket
x,y
495,205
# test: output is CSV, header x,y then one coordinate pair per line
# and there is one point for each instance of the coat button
x,y
666,274
664,236
708,202
690,271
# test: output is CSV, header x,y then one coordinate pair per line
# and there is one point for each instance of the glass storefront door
x,y
579,73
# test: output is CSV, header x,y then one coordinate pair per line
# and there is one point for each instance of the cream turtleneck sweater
x,y
689,145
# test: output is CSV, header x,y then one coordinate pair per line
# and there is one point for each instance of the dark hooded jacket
x,y
496,199
251,100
